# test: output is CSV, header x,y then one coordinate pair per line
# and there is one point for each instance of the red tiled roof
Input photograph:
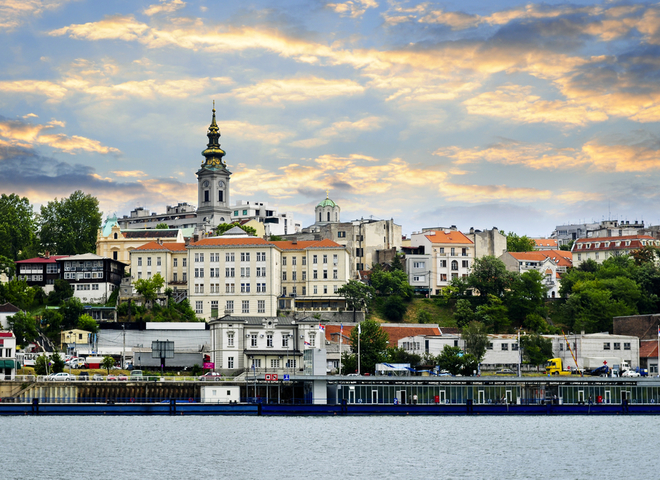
x,y
230,242
9,308
155,233
304,244
635,243
165,246
6,334
545,242
453,236
51,259
563,258
648,349
395,333
529,256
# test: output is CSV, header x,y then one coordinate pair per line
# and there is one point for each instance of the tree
x,y
494,314
149,287
514,243
24,327
7,266
451,359
394,282
394,308
17,227
57,363
71,311
489,276
567,246
107,363
162,226
51,323
373,342
358,295
396,263
70,226
526,296
275,238
463,312
644,255
476,340
400,355
62,290
42,365
536,349
87,323
18,293
223,227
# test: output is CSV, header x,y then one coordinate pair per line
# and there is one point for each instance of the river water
x,y
100,447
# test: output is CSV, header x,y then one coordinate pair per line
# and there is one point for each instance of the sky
x,y
520,116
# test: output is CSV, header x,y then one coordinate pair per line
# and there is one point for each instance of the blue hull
x,y
186,408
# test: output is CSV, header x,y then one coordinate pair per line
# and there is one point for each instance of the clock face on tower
x,y
205,184
221,184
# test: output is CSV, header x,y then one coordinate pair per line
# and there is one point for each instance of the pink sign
x,y
209,365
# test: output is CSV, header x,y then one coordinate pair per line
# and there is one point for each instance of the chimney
x,y
46,254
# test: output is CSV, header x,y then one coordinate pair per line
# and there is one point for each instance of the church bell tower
x,y
213,184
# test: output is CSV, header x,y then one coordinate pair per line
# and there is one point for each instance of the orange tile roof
x,y
304,244
454,236
563,258
175,247
230,242
648,349
545,242
395,333
172,247
635,242
529,256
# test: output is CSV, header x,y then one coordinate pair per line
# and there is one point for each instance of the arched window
x,y
454,265
320,217
115,236
336,217
328,216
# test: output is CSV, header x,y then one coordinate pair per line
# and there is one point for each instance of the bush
x,y
395,308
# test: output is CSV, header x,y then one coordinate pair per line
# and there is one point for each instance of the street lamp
x,y
70,362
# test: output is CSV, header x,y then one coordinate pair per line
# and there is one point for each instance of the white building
x,y
7,310
594,348
522,262
7,356
274,223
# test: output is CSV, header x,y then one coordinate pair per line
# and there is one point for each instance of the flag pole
x,y
341,334
359,334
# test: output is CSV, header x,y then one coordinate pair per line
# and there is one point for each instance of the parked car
x,y
137,375
630,373
97,377
122,377
83,376
61,377
208,376
75,363
111,378
505,371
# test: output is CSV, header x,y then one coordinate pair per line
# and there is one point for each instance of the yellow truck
x,y
554,367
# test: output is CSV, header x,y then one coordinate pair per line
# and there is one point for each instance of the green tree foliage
x,y
162,226
71,311
348,363
424,316
56,363
18,293
62,290
149,287
396,263
455,361
275,238
536,349
400,355
644,255
489,276
476,340
17,227
24,327
42,365
107,363
526,296
514,243
69,226
51,323
394,282
394,308
373,342
494,314
567,246
463,312
87,323
223,227
7,266
358,295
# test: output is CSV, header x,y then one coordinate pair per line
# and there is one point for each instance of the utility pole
x,y
123,352
359,372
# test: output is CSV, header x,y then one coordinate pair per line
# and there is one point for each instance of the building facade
x,y
92,277
274,223
180,216
522,262
7,356
40,271
600,249
170,260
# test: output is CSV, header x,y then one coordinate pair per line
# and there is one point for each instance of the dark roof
x,y
9,308
156,233
51,259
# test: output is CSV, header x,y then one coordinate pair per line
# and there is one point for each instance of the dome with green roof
x,y
327,203
327,211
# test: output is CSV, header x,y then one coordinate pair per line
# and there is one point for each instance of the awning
x,y
6,364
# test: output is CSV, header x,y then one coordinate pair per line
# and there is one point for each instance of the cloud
x,y
346,130
31,115
116,27
277,92
17,133
249,131
39,87
352,8
14,13
166,6
129,173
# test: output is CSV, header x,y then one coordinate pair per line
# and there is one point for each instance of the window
x,y
229,272
293,260
274,363
304,260
617,346
341,234
230,339
335,288
312,339
261,256
490,346
230,306
185,262
606,346
283,261
293,290
199,307
626,346
175,262
230,362
335,259
465,264
419,265
229,288
229,257
245,306
304,290
253,340
245,256
158,264
315,290
325,274
285,340
314,259
453,251
185,277
244,212
325,259
269,340
291,363
514,347
325,289
245,288
454,265
197,273
304,275
261,288
443,263
284,276
115,255
148,261
294,276
95,286
505,346
284,291
335,275
315,274
261,306
443,277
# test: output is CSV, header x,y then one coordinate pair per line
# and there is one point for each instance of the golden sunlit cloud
x,y
165,6
295,90
346,130
249,131
39,87
352,8
129,173
15,12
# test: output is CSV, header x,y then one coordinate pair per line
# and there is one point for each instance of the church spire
x,y
213,152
